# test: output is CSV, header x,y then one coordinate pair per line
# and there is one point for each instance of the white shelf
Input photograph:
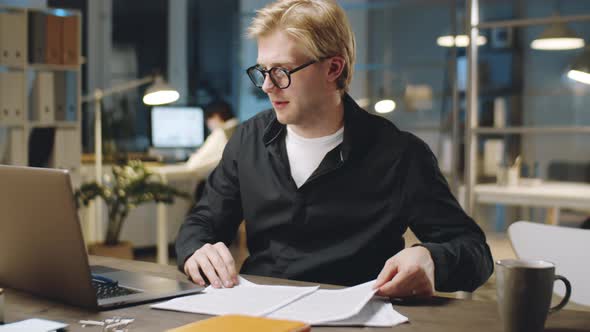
x,y
12,66
41,66
57,124
533,130
51,67
472,188
526,22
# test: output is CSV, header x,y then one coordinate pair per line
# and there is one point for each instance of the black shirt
x,y
348,218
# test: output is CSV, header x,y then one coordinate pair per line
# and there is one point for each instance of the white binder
x,y
4,37
43,98
12,98
4,104
4,134
16,97
18,143
13,38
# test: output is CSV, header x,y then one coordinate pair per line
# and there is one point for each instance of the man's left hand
x,y
409,273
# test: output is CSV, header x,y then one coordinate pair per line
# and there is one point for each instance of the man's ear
x,y
336,67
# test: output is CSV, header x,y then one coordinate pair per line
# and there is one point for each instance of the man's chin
x,y
282,117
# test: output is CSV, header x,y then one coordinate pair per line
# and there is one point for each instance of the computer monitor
x,y
177,127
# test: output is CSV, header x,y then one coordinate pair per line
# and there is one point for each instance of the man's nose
x,y
268,85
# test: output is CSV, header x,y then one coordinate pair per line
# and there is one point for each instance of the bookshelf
x,y
475,130
40,85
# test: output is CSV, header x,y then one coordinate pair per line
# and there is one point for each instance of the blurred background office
x,y
506,116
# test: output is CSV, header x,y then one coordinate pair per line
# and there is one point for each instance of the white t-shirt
x,y
306,154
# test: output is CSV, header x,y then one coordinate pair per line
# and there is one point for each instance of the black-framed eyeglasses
x,y
280,77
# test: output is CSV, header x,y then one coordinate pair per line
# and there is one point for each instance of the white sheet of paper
x,y
33,325
328,305
246,298
377,313
353,306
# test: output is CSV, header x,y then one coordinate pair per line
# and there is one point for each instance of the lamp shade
x,y
557,37
580,69
160,93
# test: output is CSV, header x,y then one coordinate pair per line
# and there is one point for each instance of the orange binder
x,y
239,323
70,40
53,39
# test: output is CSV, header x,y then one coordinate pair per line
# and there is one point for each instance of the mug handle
x,y
566,298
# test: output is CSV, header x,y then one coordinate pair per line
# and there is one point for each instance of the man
x,y
327,190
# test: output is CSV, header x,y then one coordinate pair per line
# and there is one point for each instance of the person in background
x,y
221,123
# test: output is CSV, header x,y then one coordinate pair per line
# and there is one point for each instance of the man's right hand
x,y
215,262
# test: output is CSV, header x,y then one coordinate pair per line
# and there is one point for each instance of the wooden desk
x,y
437,314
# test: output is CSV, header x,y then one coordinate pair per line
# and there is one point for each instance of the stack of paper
x,y
33,325
349,306
246,299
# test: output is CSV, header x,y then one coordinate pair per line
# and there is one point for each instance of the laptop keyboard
x,y
108,290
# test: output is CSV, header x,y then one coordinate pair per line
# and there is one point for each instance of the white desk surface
x,y
544,194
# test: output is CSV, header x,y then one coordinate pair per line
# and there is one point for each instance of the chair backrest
x,y
568,248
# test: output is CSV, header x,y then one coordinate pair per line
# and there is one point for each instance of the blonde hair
x,y
320,26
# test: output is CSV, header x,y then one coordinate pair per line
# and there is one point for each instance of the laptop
x,y
42,250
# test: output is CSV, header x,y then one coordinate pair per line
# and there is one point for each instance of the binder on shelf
x,y
4,132
71,105
66,91
45,38
4,104
4,36
37,37
53,38
70,49
17,149
13,41
43,98
12,110
16,97
59,88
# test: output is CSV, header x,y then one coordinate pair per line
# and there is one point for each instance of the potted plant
x,y
129,186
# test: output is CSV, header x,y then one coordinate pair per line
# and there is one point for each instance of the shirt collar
x,y
353,128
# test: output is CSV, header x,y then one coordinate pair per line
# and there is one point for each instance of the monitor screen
x,y
177,127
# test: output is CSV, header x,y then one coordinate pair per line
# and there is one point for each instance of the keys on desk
x,y
115,324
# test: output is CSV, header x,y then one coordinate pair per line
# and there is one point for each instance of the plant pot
x,y
122,250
